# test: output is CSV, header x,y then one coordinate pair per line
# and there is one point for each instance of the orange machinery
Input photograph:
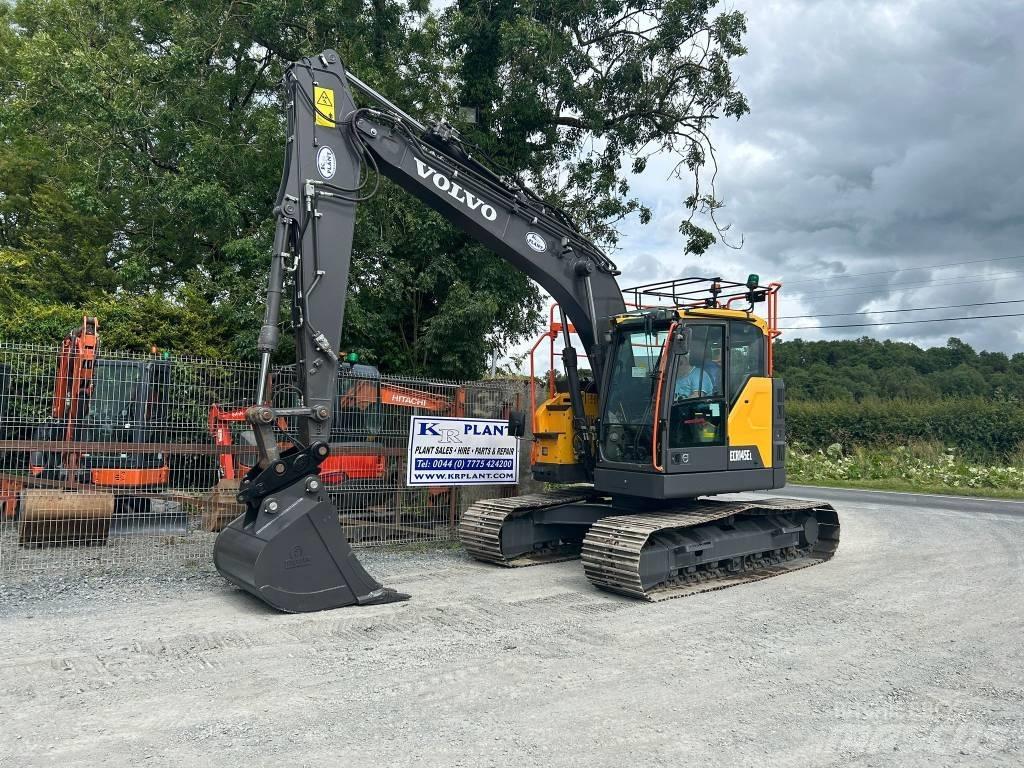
x,y
102,416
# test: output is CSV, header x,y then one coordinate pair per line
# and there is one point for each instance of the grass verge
x,y
913,467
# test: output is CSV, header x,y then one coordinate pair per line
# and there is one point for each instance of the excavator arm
x,y
433,165
335,151
287,548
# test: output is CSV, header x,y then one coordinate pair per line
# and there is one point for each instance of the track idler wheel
x,y
291,554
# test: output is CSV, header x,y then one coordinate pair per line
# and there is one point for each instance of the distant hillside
x,y
867,368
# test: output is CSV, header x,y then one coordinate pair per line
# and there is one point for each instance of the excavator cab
x,y
127,398
114,403
689,406
688,403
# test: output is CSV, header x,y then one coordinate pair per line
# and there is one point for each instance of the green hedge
x,y
981,429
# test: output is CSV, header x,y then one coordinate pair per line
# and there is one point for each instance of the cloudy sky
x,y
881,167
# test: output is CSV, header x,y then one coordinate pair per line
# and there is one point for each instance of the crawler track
x,y
612,548
480,527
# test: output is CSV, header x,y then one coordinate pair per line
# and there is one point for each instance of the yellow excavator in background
x,y
685,407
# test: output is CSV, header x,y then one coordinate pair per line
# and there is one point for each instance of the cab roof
x,y
666,315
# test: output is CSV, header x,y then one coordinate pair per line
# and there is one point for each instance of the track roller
x,y
60,518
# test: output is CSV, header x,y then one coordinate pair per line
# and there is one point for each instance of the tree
x,y
902,382
577,95
961,381
866,368
140,149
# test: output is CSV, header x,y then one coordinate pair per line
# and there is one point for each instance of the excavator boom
x,y
287,548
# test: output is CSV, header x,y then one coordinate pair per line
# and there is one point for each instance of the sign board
x,y
452,451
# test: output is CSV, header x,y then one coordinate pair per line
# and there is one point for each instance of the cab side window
x,y
699,372
746,355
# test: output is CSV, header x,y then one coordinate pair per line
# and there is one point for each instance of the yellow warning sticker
x,y
324,100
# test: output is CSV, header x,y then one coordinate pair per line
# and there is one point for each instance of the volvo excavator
x,y
685,406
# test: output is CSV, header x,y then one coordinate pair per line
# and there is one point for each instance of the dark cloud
x,y
883,136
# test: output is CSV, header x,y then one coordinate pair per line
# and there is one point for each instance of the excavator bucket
x,y
49,518
293,556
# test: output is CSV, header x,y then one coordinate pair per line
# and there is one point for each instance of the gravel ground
x,y
904,650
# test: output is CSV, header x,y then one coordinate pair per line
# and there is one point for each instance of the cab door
x,y
695,432
753,409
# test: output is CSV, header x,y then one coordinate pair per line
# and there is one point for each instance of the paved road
x,y
973,504
905,650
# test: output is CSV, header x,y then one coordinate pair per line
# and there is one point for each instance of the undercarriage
x,y
692,546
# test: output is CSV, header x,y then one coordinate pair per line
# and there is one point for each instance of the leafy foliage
x,y
882,394
868,368
981,429
133,323
140,150
568,90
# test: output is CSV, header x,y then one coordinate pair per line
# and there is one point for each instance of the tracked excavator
x,y
96,402
686,406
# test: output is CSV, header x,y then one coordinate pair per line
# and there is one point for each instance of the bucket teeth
x,y
383,596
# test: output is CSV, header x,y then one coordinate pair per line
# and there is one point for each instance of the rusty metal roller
x,y
58,518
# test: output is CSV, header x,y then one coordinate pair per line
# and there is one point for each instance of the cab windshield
x,y
115,391
629,405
